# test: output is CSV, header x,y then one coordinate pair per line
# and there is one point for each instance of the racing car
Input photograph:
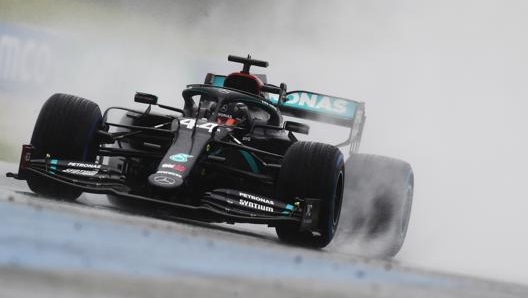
x,y
228,155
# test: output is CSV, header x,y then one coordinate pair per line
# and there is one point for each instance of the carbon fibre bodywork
x,y
187,161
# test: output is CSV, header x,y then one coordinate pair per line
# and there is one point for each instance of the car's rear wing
x,y
317,107
328,109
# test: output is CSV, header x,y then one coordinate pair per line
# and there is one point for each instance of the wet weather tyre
x,y
378,199
312,170
65,129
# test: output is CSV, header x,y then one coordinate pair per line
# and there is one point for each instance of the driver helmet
x,y
232,114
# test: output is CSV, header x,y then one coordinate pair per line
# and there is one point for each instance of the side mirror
x,y
270,89
146,98
282,94
296,127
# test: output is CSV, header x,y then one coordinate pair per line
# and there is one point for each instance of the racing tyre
x,y
378,198
312,170
65,129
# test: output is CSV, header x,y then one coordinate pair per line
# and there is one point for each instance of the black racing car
x,y
227,156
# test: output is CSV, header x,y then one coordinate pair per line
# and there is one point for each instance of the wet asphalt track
x,y
57,249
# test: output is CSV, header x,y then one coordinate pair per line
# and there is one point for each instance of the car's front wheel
x,y
312,170
65,129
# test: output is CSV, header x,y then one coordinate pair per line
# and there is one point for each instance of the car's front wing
x,y
222,205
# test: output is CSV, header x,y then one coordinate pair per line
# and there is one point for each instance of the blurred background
x,y
444,83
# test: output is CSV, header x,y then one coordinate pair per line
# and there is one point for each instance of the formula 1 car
x,y
226,156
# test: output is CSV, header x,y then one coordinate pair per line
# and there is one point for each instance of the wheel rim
x,y
338,200
407,205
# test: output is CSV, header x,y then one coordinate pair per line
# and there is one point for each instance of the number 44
x,y
189,123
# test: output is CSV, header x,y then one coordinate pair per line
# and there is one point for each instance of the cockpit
x,y
229,107
238,101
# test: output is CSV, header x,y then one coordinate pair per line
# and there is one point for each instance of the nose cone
x,y
166,180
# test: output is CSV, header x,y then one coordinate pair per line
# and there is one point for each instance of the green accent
x,y
250,160
290,209
53,162
218,81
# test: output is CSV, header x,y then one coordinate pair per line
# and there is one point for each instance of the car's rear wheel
x,y
65,129
378,199
312,170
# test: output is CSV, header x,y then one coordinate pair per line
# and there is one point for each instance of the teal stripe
x,y
218,81
54,163
290,209
250,160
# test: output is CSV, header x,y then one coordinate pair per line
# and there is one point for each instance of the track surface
x,y
91,249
